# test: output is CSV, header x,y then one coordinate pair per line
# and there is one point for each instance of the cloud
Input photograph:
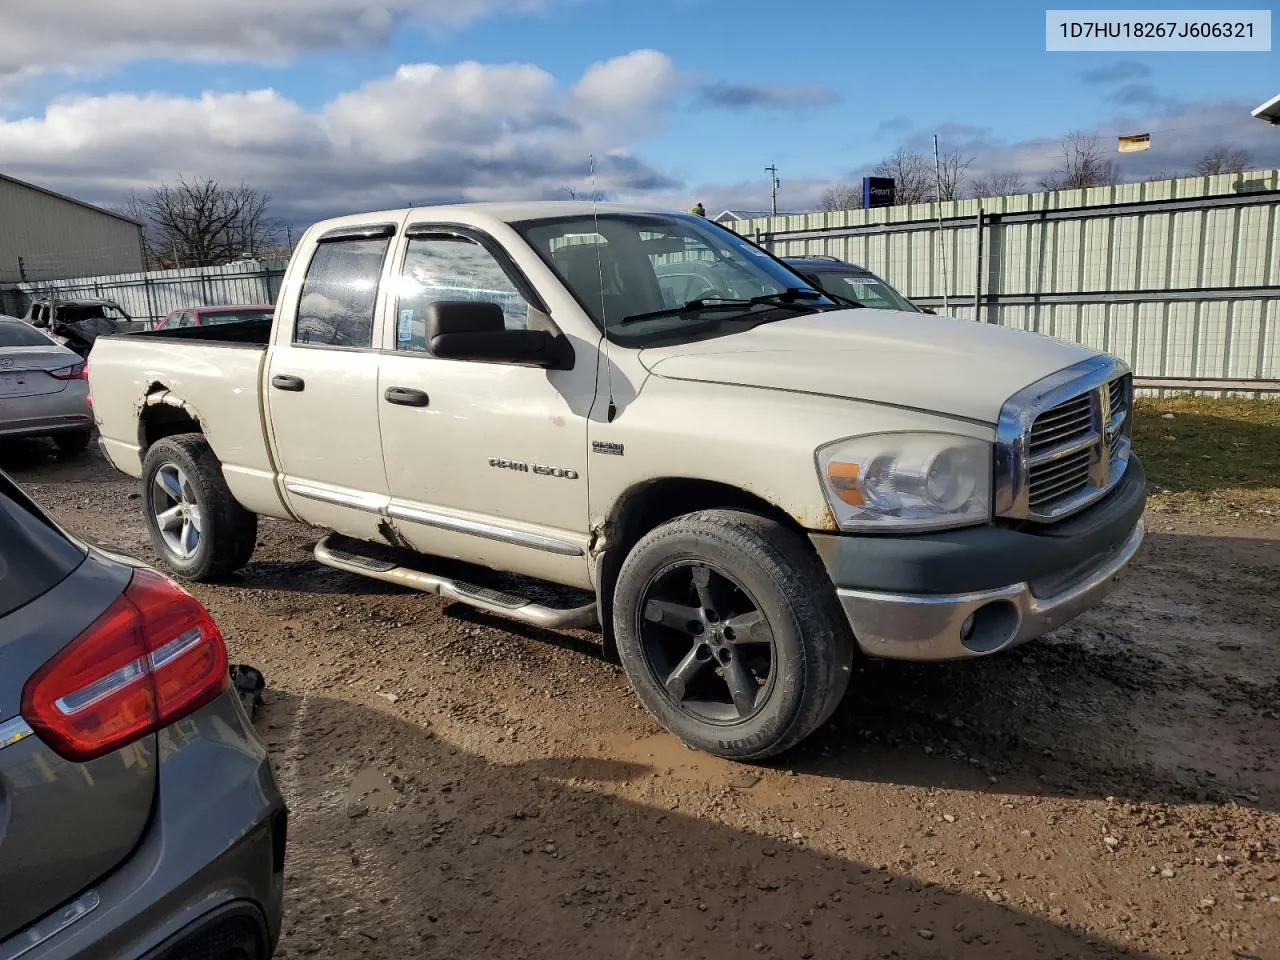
x,y
896,127
746,96
639,81
1118,72
90,35
427,133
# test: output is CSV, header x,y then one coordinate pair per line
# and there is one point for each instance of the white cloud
x,y
88,35
428,132
639,82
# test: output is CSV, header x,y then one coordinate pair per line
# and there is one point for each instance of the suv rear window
x,y
34,555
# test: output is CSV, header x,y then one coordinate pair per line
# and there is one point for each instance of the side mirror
x,y
929,310
477,331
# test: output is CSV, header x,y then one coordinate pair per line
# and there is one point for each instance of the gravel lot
x,y
463,787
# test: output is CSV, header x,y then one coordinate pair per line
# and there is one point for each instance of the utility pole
x,y
22,269
774,184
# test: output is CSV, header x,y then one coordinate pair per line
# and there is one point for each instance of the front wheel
x,y
196,525
730,633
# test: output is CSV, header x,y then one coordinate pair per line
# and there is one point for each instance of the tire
x,y
754,570
226,533
72,444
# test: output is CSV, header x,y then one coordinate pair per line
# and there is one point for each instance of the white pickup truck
x,y
744,482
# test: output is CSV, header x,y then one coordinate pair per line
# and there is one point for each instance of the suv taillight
x,y
153,657
77,371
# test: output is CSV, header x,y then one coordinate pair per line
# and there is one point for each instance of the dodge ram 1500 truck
x,y
745,483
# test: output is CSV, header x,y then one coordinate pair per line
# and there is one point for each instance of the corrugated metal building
x,y
58,237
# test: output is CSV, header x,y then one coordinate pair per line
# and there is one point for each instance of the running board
x,y
460,591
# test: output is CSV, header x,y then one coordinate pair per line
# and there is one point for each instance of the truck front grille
x,y
1064,442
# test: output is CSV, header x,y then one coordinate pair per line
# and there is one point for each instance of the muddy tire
x,y
730,633
199,530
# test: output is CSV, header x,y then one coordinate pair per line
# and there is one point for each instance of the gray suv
x,y
139,816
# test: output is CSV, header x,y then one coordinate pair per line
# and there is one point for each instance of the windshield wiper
x,y
794,297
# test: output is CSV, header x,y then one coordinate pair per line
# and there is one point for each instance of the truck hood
x,y
938,364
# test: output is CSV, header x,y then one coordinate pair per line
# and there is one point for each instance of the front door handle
x,y
285,381
406,397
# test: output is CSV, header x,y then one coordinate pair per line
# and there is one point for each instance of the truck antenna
x,y
604,315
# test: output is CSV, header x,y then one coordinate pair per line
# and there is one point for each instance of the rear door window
x,y
34,555
339,294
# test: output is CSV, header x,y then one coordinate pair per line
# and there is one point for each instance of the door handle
x,y
285,381
406,397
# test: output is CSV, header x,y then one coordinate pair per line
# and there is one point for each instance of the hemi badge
x,y
613,449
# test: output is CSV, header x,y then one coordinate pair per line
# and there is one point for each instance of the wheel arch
x,y
161,414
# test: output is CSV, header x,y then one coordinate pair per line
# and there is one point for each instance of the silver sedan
x,y
44,388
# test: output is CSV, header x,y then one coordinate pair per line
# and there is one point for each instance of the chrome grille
x,y
1063,424
1064,442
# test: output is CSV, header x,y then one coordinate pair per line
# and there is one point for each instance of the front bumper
x,y
929,627
970,593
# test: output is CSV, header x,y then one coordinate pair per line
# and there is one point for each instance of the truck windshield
x,y
649,277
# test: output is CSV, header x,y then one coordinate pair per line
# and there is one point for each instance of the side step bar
x,y
482,598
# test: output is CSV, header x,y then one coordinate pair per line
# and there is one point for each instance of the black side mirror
x,y
929,310
476,330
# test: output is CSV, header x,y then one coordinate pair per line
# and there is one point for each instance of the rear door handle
x,y
285,381
406,397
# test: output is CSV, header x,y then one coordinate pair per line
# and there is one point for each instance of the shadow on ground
x,y
403,845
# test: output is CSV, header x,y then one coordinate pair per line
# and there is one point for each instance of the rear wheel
x,y
196,525
72,444
730,633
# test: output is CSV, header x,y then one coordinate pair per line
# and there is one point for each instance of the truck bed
x,y
245,333
166,379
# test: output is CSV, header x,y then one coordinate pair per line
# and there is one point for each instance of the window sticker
x,y
404,329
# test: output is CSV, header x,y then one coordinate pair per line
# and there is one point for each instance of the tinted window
x,y
21,335
339,294
34,555
451,268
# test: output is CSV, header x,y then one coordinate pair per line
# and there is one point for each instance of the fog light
x,y
966,629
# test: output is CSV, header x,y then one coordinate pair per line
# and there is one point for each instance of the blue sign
x,y
877,192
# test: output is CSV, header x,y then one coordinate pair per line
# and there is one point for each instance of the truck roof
x,y
504,212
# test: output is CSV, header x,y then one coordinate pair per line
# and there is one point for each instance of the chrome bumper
x,y
956,626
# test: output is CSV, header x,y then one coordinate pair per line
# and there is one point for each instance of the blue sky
x,y
723,88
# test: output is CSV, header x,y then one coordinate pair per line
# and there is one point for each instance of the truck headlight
x,y
907,481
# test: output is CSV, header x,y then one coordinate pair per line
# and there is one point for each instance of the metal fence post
x,y
151,305
977,277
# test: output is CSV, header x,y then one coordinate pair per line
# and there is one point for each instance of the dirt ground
x,y
462,787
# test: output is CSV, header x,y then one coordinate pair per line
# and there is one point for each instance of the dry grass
x,y
1213,458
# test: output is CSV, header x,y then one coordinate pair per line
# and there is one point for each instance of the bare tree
x,y
999,185
200,222
841,196
912,175
1221,160
1084,164
951,171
